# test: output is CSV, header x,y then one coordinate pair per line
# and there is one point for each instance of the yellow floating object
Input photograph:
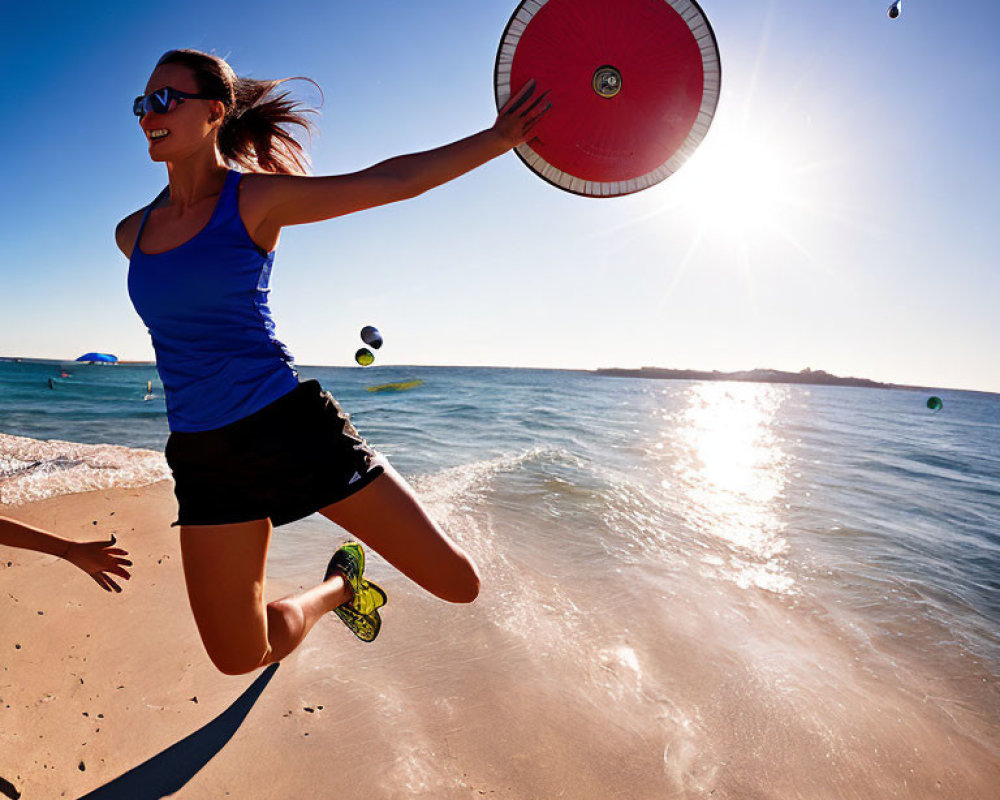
x,y
395,387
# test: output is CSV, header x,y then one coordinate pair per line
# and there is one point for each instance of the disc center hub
x,y
607,81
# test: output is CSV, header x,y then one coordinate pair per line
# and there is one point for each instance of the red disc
x,y
633,84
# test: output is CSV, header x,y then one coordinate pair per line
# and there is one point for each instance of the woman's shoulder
x,y
127,230
260,184
259,193
254,193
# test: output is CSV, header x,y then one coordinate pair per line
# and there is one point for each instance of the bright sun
x,y
746,198
740,186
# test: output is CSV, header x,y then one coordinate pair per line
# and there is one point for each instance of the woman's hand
x,y
100,560
520,114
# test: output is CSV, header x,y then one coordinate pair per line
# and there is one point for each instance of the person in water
x,y
251,447
100,559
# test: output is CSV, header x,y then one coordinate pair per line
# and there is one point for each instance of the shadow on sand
x,y
166,772
8,790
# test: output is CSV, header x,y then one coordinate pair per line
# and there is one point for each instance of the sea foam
x,y
32,470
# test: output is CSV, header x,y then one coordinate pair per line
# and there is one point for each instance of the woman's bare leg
x,y
387,516
224,569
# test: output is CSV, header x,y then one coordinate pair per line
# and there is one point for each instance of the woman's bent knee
x,y
236,664
469,592
232,657
236,649
465,588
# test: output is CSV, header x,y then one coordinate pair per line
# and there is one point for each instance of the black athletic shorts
x,y
285,462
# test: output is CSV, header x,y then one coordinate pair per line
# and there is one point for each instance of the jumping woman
x,y
251,447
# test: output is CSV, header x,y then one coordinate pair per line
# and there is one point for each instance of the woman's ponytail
x,y
254,133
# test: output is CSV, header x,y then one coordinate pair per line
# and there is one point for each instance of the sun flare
x,y
741,186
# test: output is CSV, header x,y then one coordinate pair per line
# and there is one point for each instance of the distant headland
x,y
807,376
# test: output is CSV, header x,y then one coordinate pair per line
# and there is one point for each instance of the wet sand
x,y
629,696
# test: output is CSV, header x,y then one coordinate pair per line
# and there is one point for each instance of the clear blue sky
x,y
841,214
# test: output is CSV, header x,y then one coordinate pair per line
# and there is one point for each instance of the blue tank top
x,y
205,305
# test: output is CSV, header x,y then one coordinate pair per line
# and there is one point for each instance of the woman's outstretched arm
x,y
97,559
274,201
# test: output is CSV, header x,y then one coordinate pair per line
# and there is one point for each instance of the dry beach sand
x,y
111,696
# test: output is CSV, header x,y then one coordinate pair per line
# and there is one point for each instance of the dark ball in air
x,y
934,403
371,337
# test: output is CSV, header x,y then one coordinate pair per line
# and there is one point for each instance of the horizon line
x,y
592,370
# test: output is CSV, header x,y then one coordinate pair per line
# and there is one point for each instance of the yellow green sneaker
x,y
360,614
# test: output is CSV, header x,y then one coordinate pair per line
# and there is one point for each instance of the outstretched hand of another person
x,y
520,114
100,560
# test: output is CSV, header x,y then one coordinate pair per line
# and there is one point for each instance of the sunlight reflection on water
x,y
732,471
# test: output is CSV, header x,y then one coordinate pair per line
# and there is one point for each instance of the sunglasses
x,y
164,100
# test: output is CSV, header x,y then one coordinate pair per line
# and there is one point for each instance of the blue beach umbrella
x,y
105,358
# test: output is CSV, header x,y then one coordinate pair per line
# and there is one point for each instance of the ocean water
x,y
800,539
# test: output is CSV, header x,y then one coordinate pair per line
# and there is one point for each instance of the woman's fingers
x,y
100,561
100,553
102,581
539,99
116,570
521,113
515,102
534,120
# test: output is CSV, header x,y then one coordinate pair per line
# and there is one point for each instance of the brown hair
x,y
254,131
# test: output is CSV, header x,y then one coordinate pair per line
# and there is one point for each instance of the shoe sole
x,y
365,626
